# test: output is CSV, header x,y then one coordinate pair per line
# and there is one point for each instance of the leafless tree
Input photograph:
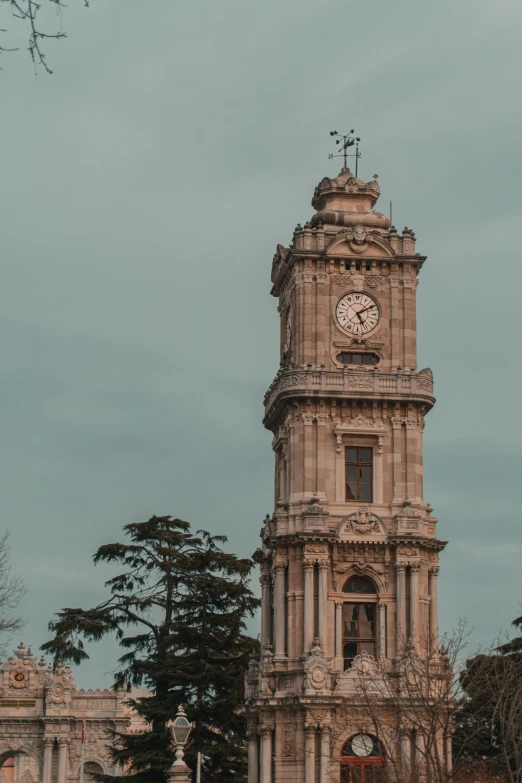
x,y
28,11
11,591
409,706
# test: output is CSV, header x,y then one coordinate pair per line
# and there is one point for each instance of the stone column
x,y
397,482
396,319
414,605
309,453
378,479
382,629
309,754
323,605
321,419
62,760
405,756
338,629
266,754
47,760
279,610
253,756
411,466
400,569
340,478
433,573
420,757
324,776
266,590
308,606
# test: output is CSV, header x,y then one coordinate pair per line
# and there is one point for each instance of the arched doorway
x,y
90,769
362,760
7,769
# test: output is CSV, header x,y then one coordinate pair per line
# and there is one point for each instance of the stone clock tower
x,y
349,575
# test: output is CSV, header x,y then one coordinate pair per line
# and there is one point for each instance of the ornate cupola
x,y
347,201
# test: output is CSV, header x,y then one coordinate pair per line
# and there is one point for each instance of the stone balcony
x,y
311,382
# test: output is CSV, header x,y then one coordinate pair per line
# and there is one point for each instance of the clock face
x,y
357,313
362,745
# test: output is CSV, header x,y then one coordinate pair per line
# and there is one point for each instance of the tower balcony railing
x,y
308,380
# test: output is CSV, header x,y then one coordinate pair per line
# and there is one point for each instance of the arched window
x,y
7,770
359,620
90,769
359,584
362,760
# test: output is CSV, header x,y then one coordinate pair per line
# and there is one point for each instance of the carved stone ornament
x,y
288,330
359,381
289,744
362,568
408,512
316,670
408,551
317,549
364,663
362,522
375,281
364,668
360,422
357,239
425,380
316,511
358,282
317,716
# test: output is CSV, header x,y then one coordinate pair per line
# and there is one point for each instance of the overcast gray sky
x,y
144,188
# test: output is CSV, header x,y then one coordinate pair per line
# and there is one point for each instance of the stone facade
x,y
324,403
41,714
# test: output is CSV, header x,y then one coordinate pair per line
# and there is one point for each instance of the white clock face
x,y
357,313
362,745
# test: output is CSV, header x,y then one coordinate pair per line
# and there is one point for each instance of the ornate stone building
x,y
349,577
41,715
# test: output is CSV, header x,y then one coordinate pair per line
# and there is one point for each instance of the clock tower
x,y
350,555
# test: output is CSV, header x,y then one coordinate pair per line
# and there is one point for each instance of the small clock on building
x,y
357,313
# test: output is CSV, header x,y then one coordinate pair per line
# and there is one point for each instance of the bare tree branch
x,y
11,591
27,11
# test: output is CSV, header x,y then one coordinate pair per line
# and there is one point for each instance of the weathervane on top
x,y
346,141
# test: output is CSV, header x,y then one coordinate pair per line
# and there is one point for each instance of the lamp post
x,y
180,729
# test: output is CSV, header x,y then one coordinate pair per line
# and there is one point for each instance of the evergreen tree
x,y
178,609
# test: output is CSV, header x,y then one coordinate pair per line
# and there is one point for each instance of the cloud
x,y
145,186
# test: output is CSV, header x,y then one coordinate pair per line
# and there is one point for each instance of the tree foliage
x,y
491,713
29,12
178,609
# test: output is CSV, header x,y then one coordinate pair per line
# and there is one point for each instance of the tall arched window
x,y
359,619
7,767
362,760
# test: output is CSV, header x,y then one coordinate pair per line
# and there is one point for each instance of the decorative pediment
x,y
359,241
362,523
22,675
364,674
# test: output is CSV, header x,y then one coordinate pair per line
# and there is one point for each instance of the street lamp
x,y
180,729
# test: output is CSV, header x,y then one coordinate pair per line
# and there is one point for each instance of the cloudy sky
x,y
144,188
